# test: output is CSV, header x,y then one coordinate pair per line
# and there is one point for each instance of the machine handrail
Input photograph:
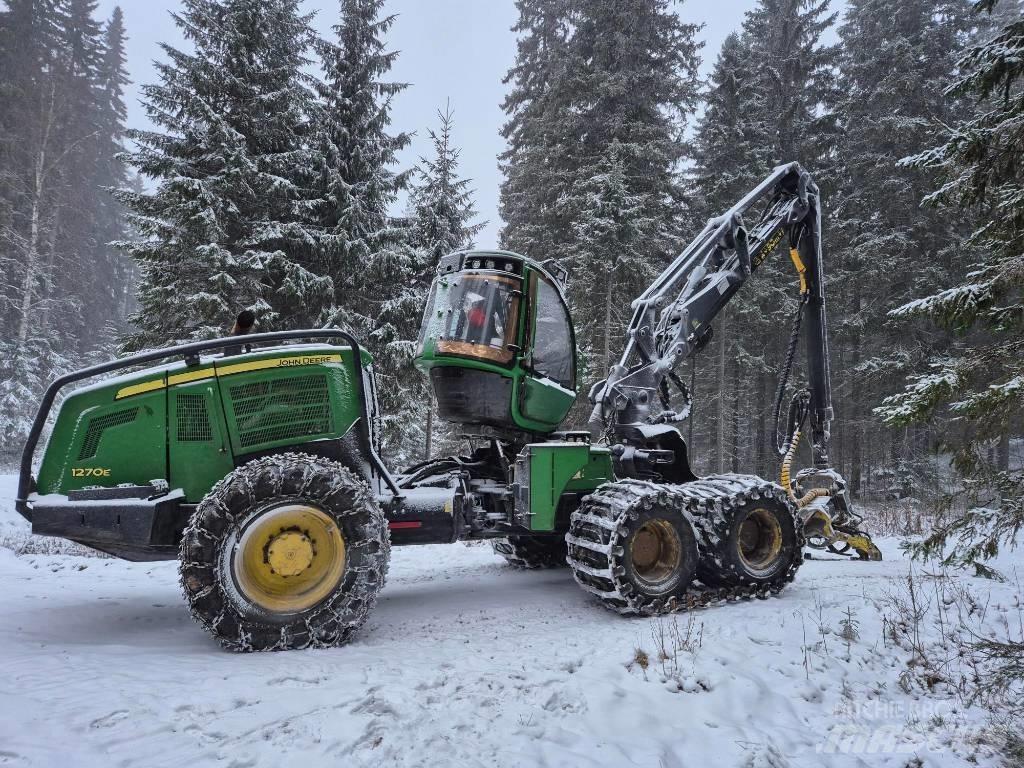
x,y
21,502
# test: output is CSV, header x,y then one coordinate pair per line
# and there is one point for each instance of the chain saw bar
x,y
672,319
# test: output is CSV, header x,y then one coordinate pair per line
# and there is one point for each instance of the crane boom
x,y
672,318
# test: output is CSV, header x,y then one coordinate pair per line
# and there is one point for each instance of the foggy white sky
x,y
457,49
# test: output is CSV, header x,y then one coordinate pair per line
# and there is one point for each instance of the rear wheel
x,y
288,551
752,543
532,551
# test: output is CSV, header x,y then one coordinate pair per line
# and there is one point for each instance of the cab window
x,y
552,353
478,316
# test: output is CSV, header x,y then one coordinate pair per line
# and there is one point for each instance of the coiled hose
x,y
786,445
784,479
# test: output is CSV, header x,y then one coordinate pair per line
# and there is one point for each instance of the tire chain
x,y
599,521
326,627
528,552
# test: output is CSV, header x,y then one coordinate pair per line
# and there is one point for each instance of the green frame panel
x,y
557,468
133,452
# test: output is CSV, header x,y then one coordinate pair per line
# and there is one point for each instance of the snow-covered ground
x,y
466,662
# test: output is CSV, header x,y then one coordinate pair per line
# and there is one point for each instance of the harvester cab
x,y
497,342
256,465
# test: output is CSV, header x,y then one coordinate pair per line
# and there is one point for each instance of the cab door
x,y
549,385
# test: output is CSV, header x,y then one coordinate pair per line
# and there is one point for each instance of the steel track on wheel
x,y
594,534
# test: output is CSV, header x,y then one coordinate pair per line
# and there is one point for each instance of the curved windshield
x,y
474,315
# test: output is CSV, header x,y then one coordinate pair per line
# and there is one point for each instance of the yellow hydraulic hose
x,y
787,461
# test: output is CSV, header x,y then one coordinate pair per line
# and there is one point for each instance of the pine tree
x,y
74,296
228,226
442,222
48,54
601,95
771,102
110,171
615,228
634,76
980,382
442,202
32,156
539,139
730,148
894,66
367,253
795,78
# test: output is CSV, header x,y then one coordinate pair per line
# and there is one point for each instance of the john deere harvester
x,y
254,461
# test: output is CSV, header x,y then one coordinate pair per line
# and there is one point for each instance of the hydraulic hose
x,y
784,479
781,445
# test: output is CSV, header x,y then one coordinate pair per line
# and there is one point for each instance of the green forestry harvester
x,y
254,460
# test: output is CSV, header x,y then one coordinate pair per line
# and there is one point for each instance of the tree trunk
x,y
48,293
607,360
39,173
760,433
693,408
1003,453
720,426
430,429
32,256
853,408
735,417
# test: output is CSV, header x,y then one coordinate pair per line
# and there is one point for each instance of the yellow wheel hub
x,y
290,553
760,540
289,558
656,552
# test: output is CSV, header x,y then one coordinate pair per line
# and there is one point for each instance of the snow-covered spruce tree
x,y
775,85
79,297
110,171
368,255
227,226
883,247
55,222
795,88
590,74
615,227
730,151
537,130
795,77
633,77
442,215
442,201
28,146
980,381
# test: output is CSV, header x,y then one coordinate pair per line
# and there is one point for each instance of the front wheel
x,y
633,546
287,551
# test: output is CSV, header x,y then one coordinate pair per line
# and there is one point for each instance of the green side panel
x,y
597,471
97,440
287,404
556,466
544,401
186,423
200,454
